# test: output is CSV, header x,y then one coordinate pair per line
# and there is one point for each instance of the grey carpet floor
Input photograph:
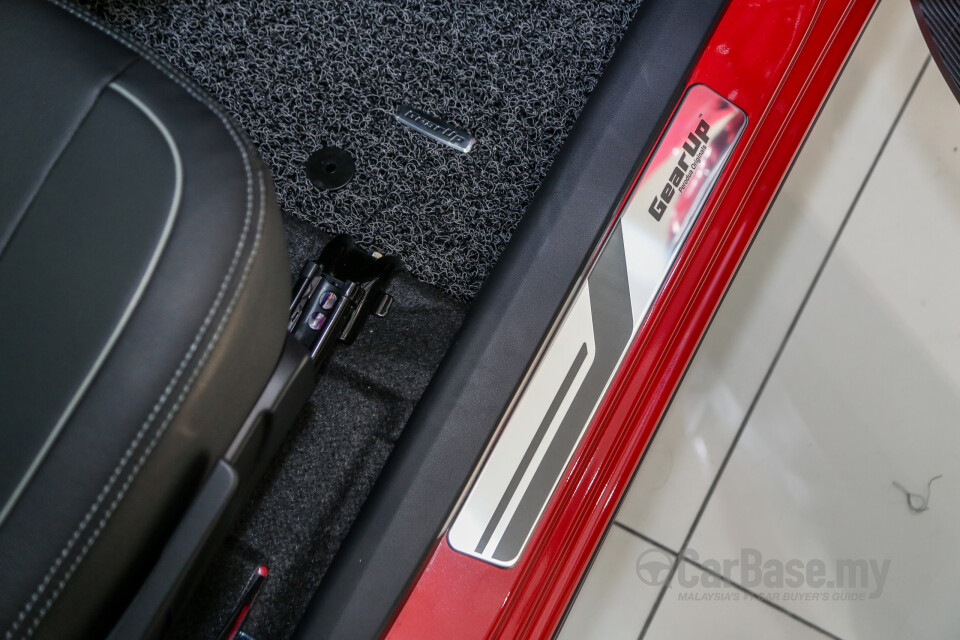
x,y
313,492
298,75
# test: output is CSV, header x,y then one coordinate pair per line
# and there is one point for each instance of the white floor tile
x,y
615,600
705,608
867,392
703,419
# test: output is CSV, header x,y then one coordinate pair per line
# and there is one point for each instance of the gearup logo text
x,y
768,578
680,177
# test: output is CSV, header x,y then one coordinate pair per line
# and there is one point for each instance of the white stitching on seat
x,y
172,74
131,306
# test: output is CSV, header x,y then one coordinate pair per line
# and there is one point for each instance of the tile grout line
x,y
663,592
776,606
649,541
783,343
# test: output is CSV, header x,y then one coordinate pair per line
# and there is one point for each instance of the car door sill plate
x,y
553,408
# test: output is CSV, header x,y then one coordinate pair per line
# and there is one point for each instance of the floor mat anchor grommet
x,y
330,168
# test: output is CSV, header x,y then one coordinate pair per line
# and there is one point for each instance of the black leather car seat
x,y
143,297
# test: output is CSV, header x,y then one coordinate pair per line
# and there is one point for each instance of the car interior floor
x,y
299,75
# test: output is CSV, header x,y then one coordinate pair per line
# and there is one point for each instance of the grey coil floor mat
x,y
298,75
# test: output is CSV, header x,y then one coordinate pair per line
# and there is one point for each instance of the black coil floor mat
x,y
302,74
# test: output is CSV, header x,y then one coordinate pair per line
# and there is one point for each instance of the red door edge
x,y
777,61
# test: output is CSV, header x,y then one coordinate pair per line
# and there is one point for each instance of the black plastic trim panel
x,y
458,414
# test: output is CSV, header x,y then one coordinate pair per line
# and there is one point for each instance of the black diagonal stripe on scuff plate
x,y
532,449
613,329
